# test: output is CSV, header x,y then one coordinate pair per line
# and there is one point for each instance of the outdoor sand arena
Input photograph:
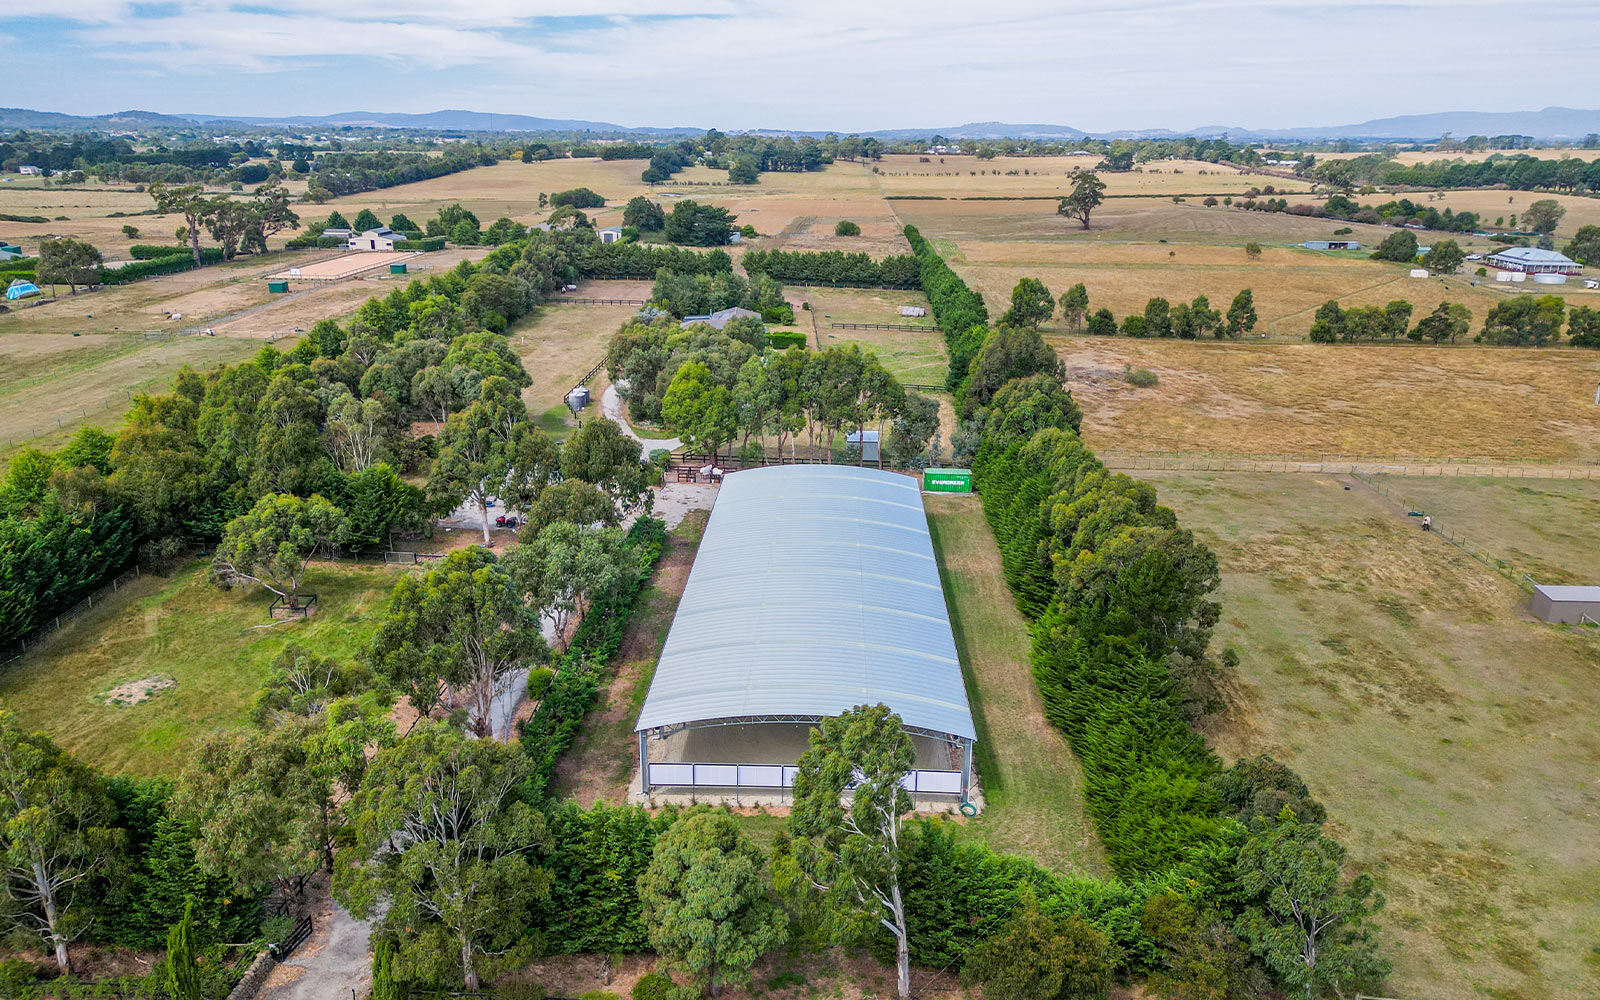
x,y
343,267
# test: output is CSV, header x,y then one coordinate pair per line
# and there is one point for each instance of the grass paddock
x,y
184,629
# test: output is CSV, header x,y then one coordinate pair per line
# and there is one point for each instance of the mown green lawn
x,y
1032,784
185,629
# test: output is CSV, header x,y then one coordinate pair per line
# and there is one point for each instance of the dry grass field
x,y
1411,158
78,359
1287,284
72,381
1449,733
1312,400
1051,176
1120,220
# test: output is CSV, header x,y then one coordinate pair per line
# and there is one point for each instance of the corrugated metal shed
x,y
1566,605
815,589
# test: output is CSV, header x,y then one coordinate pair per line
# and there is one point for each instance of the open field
x,y
910,355
184,630
1313,399
558,345
1122,220
1451,735
66,385
1491,205
1032,784
1549,530
78,359
1426,156
1287,284
1004,176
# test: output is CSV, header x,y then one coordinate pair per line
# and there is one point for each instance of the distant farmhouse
x,y
720,318
29,171
1531,260
1331,245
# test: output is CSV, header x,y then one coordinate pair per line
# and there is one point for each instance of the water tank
x,y
578,398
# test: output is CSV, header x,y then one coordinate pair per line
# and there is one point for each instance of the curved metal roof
x,y
815,589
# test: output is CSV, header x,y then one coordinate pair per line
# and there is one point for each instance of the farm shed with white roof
x,y
815,589
1566,605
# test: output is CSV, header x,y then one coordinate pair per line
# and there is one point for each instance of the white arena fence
x,y
696,775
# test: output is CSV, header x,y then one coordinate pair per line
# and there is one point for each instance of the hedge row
x,y
171,264
548,733
1114,588
642,261
147,251
957,309
427,243
785,339
835,267
309,241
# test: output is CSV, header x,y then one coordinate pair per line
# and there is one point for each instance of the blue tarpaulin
x,y
20,289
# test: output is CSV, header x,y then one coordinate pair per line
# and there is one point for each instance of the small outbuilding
x,y
913,311
867,441
1591,282
1331,245
1419,272
28,170
611,234
1566,605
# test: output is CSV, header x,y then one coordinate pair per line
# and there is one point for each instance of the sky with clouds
x,y
811,64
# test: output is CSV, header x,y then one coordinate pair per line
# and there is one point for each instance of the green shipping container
x,y
277,286
397,269
946,480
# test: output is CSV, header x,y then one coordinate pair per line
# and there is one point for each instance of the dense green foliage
x,y
547,734
834,267
957,309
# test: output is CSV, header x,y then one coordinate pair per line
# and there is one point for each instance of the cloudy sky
x,y
841,64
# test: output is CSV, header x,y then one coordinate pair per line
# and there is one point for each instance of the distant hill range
x,y
1550,123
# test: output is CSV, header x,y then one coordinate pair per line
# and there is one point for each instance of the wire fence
x,y
19,648
1447,533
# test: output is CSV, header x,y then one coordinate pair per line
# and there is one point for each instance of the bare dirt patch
x,y
143,689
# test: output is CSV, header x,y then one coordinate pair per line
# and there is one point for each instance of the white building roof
x,y
815,589
1558,593
1533,255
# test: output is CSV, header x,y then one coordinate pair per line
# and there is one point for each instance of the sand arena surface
x,y
343,267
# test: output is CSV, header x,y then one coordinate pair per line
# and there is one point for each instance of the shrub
x,y
16,973
784,339
652,986
1142,378
599,995
846,228
539,682
519,991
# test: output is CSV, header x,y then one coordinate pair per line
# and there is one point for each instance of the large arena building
x,y
815,590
